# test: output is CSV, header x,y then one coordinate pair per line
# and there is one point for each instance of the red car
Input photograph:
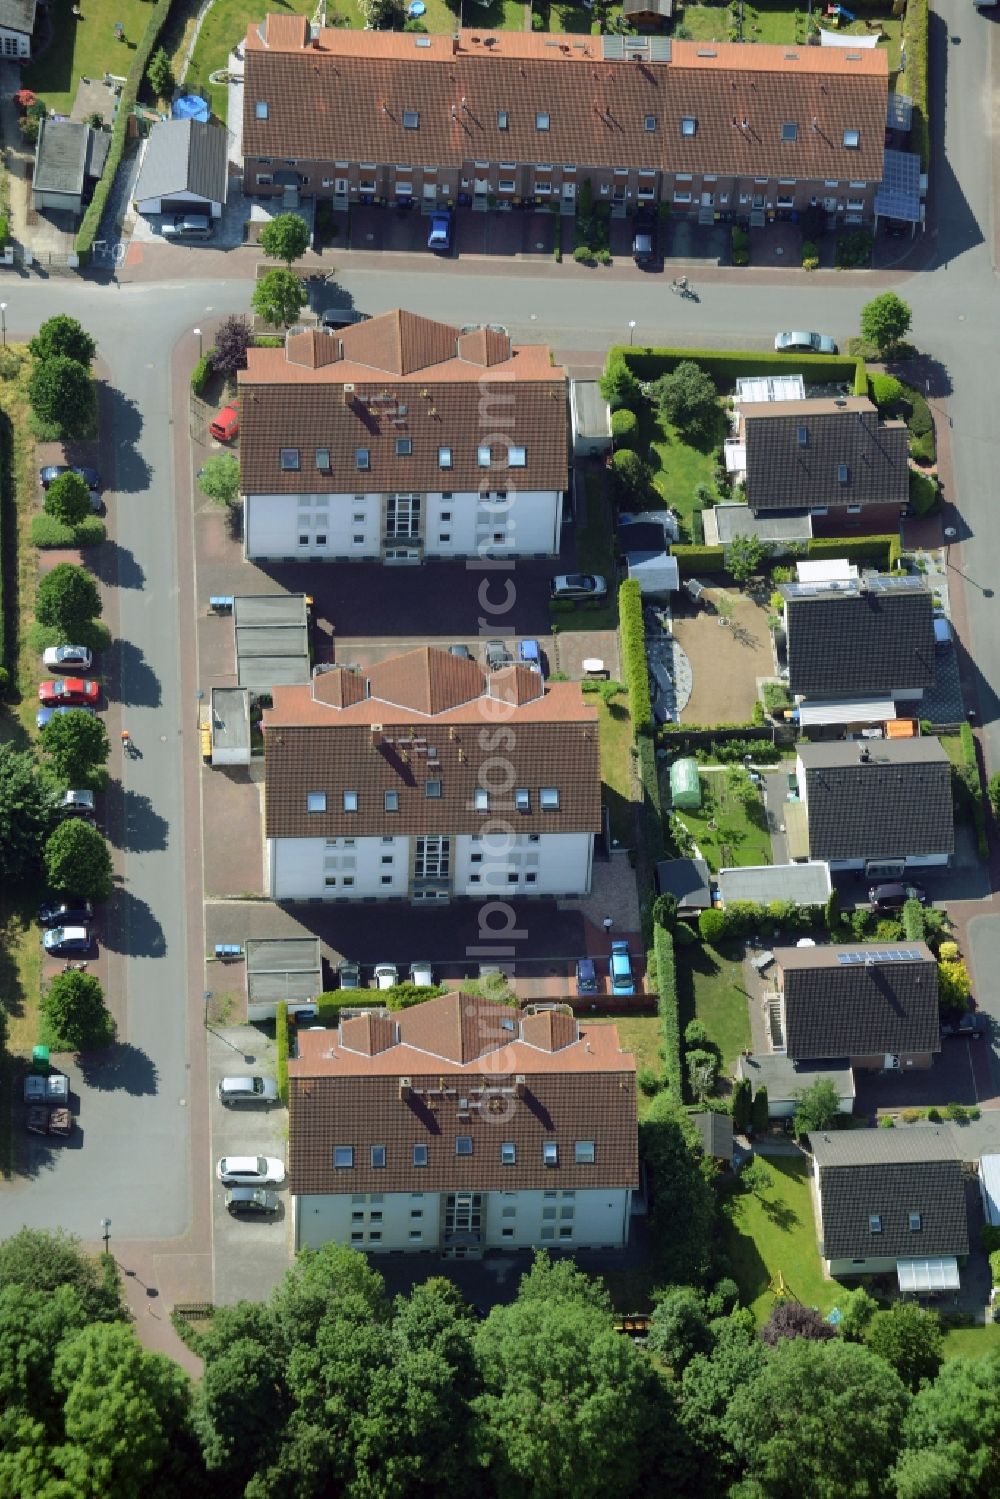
x,y
73,691
226,425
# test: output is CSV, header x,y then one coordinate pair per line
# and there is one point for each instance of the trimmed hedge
x,y
8,552
692,560
915,43
635,667
652,802
624,428
399,997
974,782
854,548
281,1040
667,1009
730,364
46,531
91,222
201,372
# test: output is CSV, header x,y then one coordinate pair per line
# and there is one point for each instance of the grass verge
x,y
971,1342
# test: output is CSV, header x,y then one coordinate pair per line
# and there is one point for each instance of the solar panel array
x,y
899,195
881,955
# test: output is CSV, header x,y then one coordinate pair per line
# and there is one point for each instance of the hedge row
x,y
635,667
201,372
854,548
975,785
8,549
693,560
130,92
915,44
652,802
399,997
729,365
667,1009
281,1041
47,531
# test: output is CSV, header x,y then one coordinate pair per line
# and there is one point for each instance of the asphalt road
x,y
135,1164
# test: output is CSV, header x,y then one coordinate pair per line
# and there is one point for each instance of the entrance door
x,y
891,1063
569,192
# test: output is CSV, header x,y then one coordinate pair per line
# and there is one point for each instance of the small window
x,y
875,1223
548,798
852,139
541,121
343,1155
416,1212
411,119
416,1233
789,131
584,1152
531,879
550,1152
485,457
321,538
391,801
506,1233
508,1153
350,801
362,458
516,457
289,459
420,1155
261,109
315,801
463,1145
323,460
432,789
650,123
444,457
802,433
916,1223
689,125
843,473
404,447
375,1236
386,879
522,799
482,801
357,1236
445,514
503,120
378,1156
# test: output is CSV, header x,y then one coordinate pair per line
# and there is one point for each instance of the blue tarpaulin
x,y
189,107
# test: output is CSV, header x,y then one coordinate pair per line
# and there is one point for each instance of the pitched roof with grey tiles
x,y
458,1066
825,452
64,148
434,101
890,1174
419,719
887,800
184,156
716,1134
865,640
18,15
859,1001
400,389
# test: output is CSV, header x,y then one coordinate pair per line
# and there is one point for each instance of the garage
x,y
184,169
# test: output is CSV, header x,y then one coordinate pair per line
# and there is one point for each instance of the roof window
x,y
485,456
420,1155
482,799
411,119
350,801
802,434
852,139
362,458
323,460
875,1223
916,1223
503,119
378,1155
789,131
550,1152
260,109
444,457
548,798
315,801
391,802
343,1155
432,789
463,1145
584,1152
289,459
541,120
404,447
516,456
522,799
508,1153
689,125
650,123
843,473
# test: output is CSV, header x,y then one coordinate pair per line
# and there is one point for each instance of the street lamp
x,y
106,1231
197,334
3,320
631,332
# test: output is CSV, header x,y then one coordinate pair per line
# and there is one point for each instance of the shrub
x,y
624,428
759,1111
993,791
914,927
947,951
924,493
702,1072
49,533
692,561
696,1033
634,663
888,930
989,1238
742,1103
201,373
915,42
648,1082
632,478
61,394
584,255
618,385
810,255
712,926
995,1266
4,231
281,1047
885,390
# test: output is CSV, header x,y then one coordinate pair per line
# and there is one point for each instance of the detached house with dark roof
x,y
402,438
859,650
460,1126
426,777
891,1200
511,118
881,806
875,1006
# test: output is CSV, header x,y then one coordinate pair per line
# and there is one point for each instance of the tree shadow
x,y
121,1068
779,1213
142,829
116,566
138,684
135,930
122,417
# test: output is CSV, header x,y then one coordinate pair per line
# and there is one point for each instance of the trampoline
x,y
416,8
189,107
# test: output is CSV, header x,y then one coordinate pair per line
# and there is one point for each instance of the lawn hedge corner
x,y
692,560
667,1009
728,365
635,667
281,1040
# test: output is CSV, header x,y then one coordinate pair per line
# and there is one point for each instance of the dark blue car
x,y
439,237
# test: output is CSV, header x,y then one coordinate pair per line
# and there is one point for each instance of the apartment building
x,y
509,118
402,438
426,777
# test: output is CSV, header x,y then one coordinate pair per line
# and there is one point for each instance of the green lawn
x,y
615,728
710,989
739,834
779,22
771,1241
678,466
972,1342
85,48
570,18
639,1034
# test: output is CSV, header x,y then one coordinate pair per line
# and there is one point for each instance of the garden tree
x,y
712,925
67,598
914,924
745,556
279,297
560,1280
678,1328
682,1208
791,1319
568,1406
993,792
817,1107
723,1298
885,390
234,337
32,1324
78,861
831,911
75,1009
686,398
822,1419
68,499
383,15
631,480
61,394
665,910
219,478
954,986
30,129
885,320
909,1339
952,1434
757,1178
285,237
160,73
619,386
62,337
76,745
41,1260
759,1116
708,1386
857,1308
702,1071
741,1105
240,1410
741,788
28,813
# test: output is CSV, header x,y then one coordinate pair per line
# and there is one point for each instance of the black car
x,y
586,976
65,913
973,1024
644,248
894,895
251,1202
52,471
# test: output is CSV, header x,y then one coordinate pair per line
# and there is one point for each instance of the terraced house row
x,y
509,118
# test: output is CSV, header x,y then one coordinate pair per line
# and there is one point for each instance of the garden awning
x,y
847,710
928,1275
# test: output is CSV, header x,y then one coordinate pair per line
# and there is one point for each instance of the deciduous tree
x,y
285,237
279,297
678,1328
75,1009
68,498
234,338
78,861
27,813
745,556
62,337
952,1434
686,398
77,746
619,387
857,1308
817,1107
683,1204
66,598
792,1319
909,1339
220,478
708,1386
42,1260
61,393
885,321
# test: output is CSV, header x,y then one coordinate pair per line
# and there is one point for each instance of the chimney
x,y
348,395
405,1089
520,1087
454,44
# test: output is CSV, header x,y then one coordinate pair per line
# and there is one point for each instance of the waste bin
x,y
39,1059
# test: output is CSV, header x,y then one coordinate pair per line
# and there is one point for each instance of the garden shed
x,y
685,787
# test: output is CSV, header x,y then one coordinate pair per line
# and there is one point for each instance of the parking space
x,y
959,1074
398,229
249,1255
230,229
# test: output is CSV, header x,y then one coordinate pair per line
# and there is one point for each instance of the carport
x,y
230,726
806,884
272,640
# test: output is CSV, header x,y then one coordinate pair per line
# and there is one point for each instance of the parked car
x,y
578,586
251,1202
226,425
50,473
973,1024
248,1090
461,651
342,317
73,690
250,1171
187,226
644,237
892,896
44,714
622,981
71,657
586,976
421,974
386,975
529,654
67,939
497,656
804,343
349,975
65,913
439,236
77,804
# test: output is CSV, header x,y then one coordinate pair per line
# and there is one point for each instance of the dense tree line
x,y
331,1388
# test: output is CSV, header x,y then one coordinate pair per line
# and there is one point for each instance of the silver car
x,y
248,1090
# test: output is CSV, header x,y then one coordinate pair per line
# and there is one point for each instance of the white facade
x,y
485,866
177,202
470,1222
401,527
14,43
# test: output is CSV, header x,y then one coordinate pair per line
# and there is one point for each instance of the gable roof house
x,y
458,1126
877,1006
17,23
833,458
402,438
383,784
883,807
185,169
891,1200
859,651
376,117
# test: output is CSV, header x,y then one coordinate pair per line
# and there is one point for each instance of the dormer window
x,y
411,119
852,139
689,125
260,109
485,457
541,121
516,457
444,457
289,459
789,131
503,120
650,123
